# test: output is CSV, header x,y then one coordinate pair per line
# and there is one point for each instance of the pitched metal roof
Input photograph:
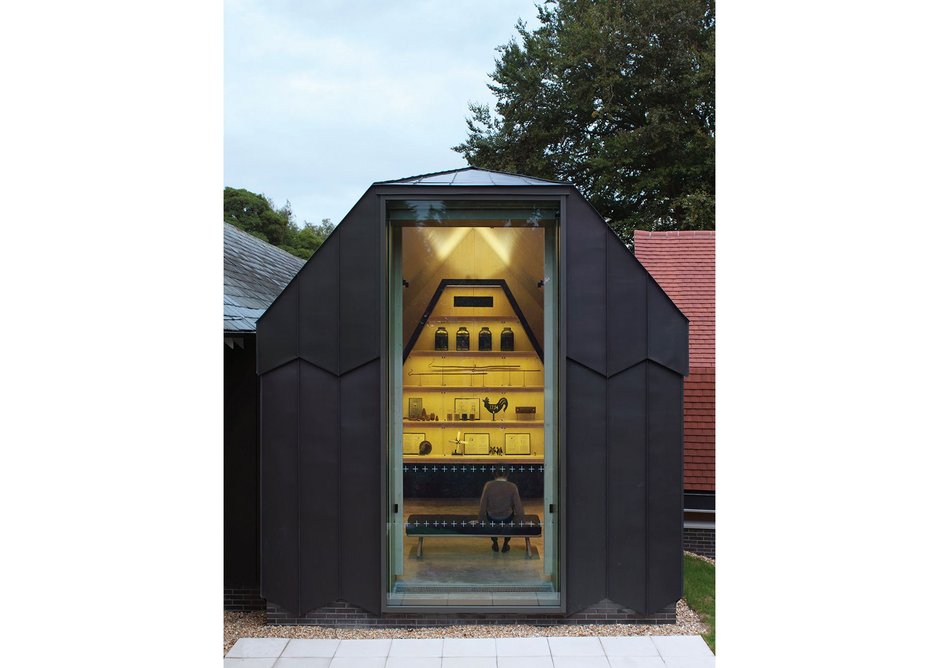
x,y
472,176
255,273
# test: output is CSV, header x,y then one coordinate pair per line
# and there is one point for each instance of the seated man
x,y
500,502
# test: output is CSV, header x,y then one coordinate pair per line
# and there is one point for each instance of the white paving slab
x,y
681,646
413,662
629,646
524,662
311,647
689,661
522,647
249,663
416,647
363,648
258,647
469,647
575,647
358,662
636,661
469,662
581,662
303,662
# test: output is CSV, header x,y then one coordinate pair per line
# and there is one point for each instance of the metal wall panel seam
x,y
606,419
297,467
339,301
645,463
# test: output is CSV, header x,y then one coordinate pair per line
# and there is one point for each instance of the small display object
x,y
507,341
415,407
525,412
441,339
476,444
466,409
485,339
500,405
462,339
412,443
518,444
425,448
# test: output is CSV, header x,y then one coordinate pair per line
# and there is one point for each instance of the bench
x,y
468,525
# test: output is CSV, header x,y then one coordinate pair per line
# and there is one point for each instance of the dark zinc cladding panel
x,y
586,285
626,307
279,527
360,284
668,331
319,488
664,495
586,493
360,493
277,331
319,308
626,485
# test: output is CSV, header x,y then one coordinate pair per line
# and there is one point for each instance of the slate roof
x,y
682,263
472,176
255,273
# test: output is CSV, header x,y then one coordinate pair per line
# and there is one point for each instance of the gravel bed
x,y
701,557
251,625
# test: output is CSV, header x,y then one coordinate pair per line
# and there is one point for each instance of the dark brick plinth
x,y
242,599
700,541
341,615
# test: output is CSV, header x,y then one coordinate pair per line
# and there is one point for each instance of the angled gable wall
x,y
627,350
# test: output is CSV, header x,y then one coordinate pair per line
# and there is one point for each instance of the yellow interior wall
x,y
469,256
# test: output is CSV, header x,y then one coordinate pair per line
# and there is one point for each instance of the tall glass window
x,y
473,427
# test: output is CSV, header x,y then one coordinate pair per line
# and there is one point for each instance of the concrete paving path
x,y
613,652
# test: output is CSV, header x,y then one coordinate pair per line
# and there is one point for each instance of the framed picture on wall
x,y
412,443
476,444
518,444
466,409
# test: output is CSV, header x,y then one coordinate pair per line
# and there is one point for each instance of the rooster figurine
x,y
500,405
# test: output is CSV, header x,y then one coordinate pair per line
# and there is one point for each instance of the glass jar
x,y
485,339
441,339
508,339
462,339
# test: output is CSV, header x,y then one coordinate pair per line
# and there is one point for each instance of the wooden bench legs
x,y
420,547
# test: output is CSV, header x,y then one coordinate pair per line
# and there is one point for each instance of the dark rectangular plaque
x,y
472,301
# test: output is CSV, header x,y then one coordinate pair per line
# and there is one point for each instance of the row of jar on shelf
x,y
484,339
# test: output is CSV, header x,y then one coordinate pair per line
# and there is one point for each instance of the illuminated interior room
x,y
469,311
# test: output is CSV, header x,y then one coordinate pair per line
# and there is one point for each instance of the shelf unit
x,y
472,425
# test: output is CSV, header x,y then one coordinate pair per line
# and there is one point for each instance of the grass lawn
x,y
699,593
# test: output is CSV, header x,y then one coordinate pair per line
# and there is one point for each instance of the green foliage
x,y
616,96
699,593
256,215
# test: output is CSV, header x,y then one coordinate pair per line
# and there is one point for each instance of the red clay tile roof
x,y
682,263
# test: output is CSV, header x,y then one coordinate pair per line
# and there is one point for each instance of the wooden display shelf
x,y
478,353
471,388
472,425
476,459
456,319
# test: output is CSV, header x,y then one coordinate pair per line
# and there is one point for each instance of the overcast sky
x,y
324,97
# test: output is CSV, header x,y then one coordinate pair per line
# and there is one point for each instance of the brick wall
x,y
242,599
699,540
341,614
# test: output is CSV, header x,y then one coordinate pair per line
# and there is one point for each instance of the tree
x,y
256,215
616,96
